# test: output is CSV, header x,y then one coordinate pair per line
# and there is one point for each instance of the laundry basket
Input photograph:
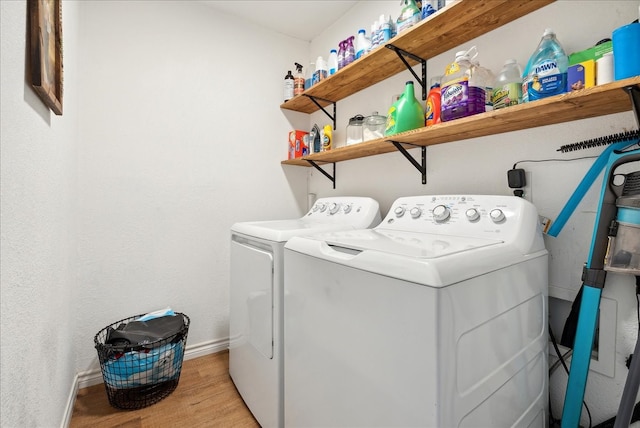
x,y
139,374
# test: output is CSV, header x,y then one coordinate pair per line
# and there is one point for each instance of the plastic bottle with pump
x,y
546,72
341,52
432,110
405,114
298,80
386,29
288,86
462,94
507,89
409,15
350,51
332,62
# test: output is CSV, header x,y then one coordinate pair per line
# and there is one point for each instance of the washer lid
x,y
406,244
283,230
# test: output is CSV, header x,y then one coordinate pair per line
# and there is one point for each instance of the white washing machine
x,y
435,318
256,327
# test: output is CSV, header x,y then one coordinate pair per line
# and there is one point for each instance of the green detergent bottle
x,y
405,114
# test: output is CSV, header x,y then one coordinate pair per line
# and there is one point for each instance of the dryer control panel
x,y
479,216
359,211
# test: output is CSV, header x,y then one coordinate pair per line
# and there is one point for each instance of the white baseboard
x,y
94,377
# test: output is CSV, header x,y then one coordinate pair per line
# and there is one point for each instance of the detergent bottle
x,y
327,138
507,89
546,71
432,110
409,15
462,92
332,63
405,114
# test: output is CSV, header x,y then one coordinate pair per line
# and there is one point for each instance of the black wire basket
x,y
139,375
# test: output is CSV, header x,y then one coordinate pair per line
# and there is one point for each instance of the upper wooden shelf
x,y
591,102
452,26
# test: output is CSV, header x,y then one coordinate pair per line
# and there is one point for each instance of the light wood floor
x,y
205,397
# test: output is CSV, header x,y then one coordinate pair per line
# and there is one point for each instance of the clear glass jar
x,y
373,126
354,130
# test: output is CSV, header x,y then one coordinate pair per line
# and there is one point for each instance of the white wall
x,y
38,256
479,166
181,136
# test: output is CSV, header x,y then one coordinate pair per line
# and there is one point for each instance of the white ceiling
x,y
302,19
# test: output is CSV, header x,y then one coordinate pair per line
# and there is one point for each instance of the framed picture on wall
x,y
45,33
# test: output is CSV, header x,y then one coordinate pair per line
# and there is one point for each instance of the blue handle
x,y
583,187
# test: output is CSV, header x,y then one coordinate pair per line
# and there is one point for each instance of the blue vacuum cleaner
x,y
615,246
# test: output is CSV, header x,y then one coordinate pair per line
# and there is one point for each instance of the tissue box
x,y
298,144
581,75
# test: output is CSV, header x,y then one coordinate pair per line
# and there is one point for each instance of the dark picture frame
x,y
45,34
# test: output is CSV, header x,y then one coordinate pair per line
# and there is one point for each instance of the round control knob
x,y
316,207
497,216
334,208
472,214
399,211
347,209
322,207
441,213
415,212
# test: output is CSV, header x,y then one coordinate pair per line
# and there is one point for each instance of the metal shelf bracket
x,y
325,173
421,167
421,80
634,94
315,101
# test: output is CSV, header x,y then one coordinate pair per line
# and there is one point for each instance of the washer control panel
x,y
461,215
342,209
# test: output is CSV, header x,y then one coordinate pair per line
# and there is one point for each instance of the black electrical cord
x,y
566,369
552,160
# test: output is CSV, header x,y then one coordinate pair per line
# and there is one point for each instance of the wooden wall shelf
x,y
591,102
456,24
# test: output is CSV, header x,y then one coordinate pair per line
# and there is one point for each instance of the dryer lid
x,y
283,230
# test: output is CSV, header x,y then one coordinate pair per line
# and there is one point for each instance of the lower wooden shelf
x,y
597,101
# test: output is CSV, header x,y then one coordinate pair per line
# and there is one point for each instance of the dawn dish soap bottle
x,y
546,71
405,114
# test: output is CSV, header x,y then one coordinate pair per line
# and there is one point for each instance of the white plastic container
x,y
321,71
362,44
507,89
332,63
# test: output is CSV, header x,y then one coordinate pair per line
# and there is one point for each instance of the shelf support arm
x,y
421,80
315,101
421,167
325,173
634,94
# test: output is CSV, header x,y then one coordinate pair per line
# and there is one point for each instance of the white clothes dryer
x,y
256,290
437,317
